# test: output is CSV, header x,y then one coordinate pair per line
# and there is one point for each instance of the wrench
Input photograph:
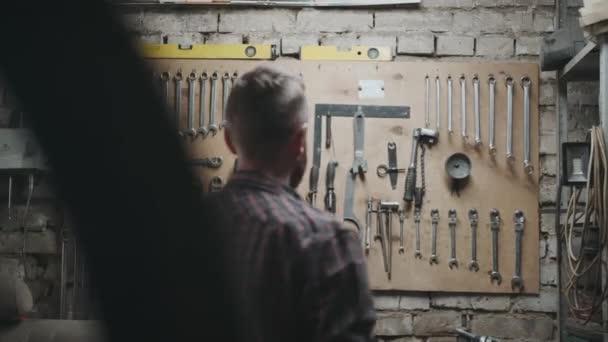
x,y
427,102
495,227
368,223
349,202
178,100
477,114
164,85
191,95
226,92
389,207
401,222
463,107
519,220
212,127
510,157
202,130
452,219
216,183
434,223
212,162
474,220
450,130
417,253
437,103
492,85
526,83
359,162
382,237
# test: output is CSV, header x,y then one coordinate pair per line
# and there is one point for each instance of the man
x,y
295,272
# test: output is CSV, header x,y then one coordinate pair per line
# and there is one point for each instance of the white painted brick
x,y
402,339
549,251
455,46
447,4
177,22
583,93
547,301
264,38
258,20
414,302
442,339
161,22
548,190
518,328
312,20
519,21
452,302
548,165
411,20
505,3
186,38
548,144
153,38
291,43
528,46
346,41
575,3
545,2
495,46
548,92
386,302
479,20
547,221
413,43
548,76
393,324
548,119
548,272
218,38
435,323
133,21
491,303
544,21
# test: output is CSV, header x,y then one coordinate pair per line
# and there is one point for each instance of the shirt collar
x,y
256,179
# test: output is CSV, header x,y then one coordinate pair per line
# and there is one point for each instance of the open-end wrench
x,y
495,227
368,223
164,86
492,96
191,95
463,107
226,92
202,130
417,213
210,162
450,101
434,222
212,127
401,223
517,281
359,162
390,208
452,220
526,84
474,220
381,236
178,100
216,184
477,114
427,102
437,103
509,144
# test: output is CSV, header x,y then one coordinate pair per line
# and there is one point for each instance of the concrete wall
x,y
438,29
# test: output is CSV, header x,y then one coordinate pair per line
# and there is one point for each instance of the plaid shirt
x,y
296,273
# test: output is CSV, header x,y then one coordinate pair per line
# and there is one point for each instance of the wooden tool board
x,y
493,183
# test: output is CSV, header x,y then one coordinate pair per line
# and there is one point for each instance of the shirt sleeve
x,y
337,295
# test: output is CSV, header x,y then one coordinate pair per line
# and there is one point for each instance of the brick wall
x,y
444,29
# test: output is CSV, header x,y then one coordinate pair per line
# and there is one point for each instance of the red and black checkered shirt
x,y
295,273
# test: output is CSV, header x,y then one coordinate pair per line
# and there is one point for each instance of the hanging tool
x,y
526,84
492,91
191,95
10,196
226,93
463,107
368,223
382,236
178,100
434,222
417,218
359,162
216,184
495,227
328,136
475,338
420,137
212,162
509,144
330,194
519,220
30,192
452,220
474,220
389,208
313,178
212,127
202,130
401,224
477,114
211,51
349,202
437,104
164,86
458,168
427,102
450,102
382,170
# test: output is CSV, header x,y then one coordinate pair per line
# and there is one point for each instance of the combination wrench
x,y
495,227
401,223
389,208
450,130
226,92
509,144
191,95
526,84
474,221
381,236
492,96
178,100
452,220
517,281
477,114
434,222
212,127
437,103
202,130
417,212
427,102
368,223
164,86
463,107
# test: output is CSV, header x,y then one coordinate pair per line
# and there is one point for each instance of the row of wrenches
x,y
204,128
526,84
385,210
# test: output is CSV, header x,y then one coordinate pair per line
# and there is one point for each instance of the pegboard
x,y
494,183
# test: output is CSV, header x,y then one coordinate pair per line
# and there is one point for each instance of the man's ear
x,y
228,140
299,142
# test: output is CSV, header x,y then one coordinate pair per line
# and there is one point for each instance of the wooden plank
x,y
583,66
493,184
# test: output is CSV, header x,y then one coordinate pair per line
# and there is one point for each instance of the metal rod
x,y
437,103
450,130
463,107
